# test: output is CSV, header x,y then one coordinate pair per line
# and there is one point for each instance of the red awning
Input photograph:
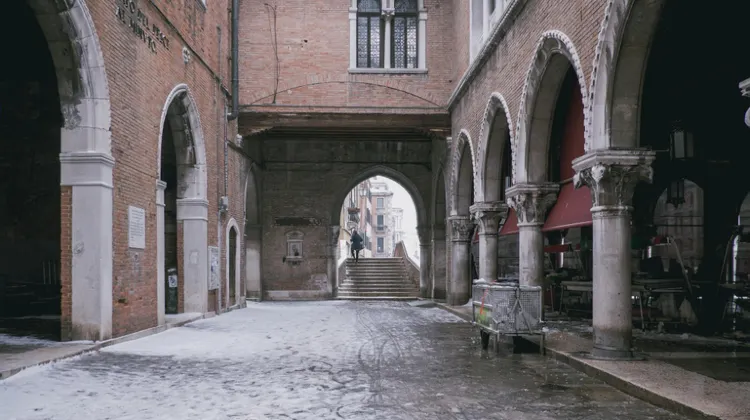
x,y
510,226
558,249
572,209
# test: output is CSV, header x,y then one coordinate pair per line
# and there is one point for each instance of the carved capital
x,y
388,13
333,235
612,176
424,233
488,215
461,228
745,89
531,202
438,232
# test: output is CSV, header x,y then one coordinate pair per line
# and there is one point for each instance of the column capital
x,y
388,13
612,176
745,89
488,215
461,228
424,233
531,201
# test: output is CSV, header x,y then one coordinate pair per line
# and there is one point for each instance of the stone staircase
x,y
377,278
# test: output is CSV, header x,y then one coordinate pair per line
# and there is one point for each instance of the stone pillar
x,y
253,241
353,35
387,13
193,213
438,262
531,203
487,216
612,176
333,258
486,13
745,89
422,38
425,280
459,285
160,254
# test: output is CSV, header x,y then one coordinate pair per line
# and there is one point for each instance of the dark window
x,y
405,34
380,204
380,244
380,220
369,30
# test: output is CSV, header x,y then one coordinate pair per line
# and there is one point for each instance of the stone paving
x,y
321,360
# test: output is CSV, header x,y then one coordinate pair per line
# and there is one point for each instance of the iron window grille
x,y
369,34
404,37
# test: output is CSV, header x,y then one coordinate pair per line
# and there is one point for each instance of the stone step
x,y
375,276
378,294
377,297
377,287
375,282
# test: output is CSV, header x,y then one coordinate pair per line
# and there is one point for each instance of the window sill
x,y
386,71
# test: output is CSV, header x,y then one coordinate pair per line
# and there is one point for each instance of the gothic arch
x,y
232,224
181,112
554,54
497,126
463,175
380,170
617,76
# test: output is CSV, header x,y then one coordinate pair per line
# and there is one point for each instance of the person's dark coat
x,y
357,241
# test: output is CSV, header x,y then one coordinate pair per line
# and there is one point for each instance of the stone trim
x,y
86,169
192,209
456,156
531,202
612,175
461,228
496,104
487,215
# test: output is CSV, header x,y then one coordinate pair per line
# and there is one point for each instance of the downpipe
x,y
235,112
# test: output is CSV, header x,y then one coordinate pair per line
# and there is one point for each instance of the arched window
x,y
369,31
406,16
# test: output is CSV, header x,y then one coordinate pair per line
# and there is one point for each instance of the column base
x,y
611,354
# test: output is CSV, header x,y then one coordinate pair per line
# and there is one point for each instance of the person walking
x,y
356,245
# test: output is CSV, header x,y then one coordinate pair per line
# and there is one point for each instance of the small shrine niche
x,y
294,241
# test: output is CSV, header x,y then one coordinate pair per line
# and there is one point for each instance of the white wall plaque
x,y
136,227
213,268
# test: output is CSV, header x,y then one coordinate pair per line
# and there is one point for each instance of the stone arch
x,y
181,112
85,167
380,170
497,126
463,175
253,240
439,204
555,52
619,68
232,224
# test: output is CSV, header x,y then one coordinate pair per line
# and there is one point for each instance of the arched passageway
x,y
460,222
182,219
253,249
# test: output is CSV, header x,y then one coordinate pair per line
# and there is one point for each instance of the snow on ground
x,y
12,340
311,360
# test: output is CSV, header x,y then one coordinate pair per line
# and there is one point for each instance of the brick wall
x,y
505,71
139,83
312,39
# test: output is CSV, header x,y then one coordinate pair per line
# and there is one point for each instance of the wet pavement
x,y
321,360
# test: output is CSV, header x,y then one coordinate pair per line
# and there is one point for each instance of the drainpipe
x,y
235,61
218,183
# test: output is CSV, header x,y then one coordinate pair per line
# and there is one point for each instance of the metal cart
x,y
507,309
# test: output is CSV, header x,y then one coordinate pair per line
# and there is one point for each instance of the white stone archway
x,y
463,175
619,70
232,224
86,167
554,54
497,129
181,112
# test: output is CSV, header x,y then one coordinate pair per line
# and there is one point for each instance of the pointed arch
x,y
463,175
617,77
232,224
496,131
554,54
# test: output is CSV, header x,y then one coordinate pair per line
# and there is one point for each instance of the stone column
x,y
486,13
745,89
531,203
160,254
612,176
438,262
333,258
422,38
353,35
425,280
487,216
253,248
459,285
387,13
193,213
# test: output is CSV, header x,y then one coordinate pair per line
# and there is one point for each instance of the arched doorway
x,y
58,184
183,208
232,247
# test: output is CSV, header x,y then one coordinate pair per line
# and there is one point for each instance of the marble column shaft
x,y
487,216
459,285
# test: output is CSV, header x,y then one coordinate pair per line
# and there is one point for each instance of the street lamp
x,y
676,193
682,142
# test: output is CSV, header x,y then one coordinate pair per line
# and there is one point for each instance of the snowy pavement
x,y
321,360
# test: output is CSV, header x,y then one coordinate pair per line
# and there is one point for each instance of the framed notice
x,y
214,271
136,227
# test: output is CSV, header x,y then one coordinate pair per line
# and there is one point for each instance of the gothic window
x,y
369,30
405,19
